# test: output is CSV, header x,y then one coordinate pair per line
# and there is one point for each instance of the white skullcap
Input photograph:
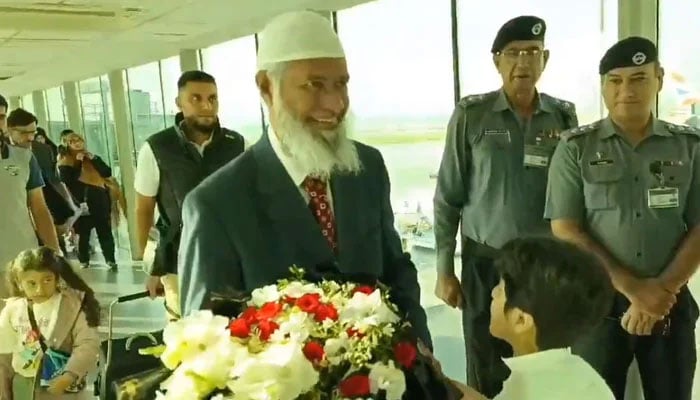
x,y
299,35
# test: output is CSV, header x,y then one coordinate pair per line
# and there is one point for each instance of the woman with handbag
x,y
86,176
50,329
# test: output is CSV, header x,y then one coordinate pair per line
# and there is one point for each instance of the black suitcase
x,y
120,358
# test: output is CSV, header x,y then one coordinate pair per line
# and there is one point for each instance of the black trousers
x,y
100,207
486,370
666,363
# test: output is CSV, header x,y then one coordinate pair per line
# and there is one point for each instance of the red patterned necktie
x,y
321,207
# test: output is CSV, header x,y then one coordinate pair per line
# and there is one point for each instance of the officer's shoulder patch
x,y
682,129
474,99
580,131
563,104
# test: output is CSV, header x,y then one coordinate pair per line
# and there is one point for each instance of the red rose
x,y
240,328
405,353
249,315
268,311
314,352
309,302
364,289
289,300
352,332
267,328
355,386
324,311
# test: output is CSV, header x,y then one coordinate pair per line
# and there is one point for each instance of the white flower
x,y
279,372
367,310
297,327
182,385
388,378
190,336
297,289
335,348
264,295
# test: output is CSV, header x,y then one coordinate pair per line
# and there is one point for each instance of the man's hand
x,y
650,296
449,290
58,385
154,286
637,322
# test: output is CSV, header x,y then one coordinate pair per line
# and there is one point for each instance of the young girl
x,y
66,315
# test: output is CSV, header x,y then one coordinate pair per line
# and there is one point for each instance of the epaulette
x,y
474,99
581,130
564,105
682,129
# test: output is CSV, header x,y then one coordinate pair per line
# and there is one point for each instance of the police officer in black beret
x,y
492,182
627,188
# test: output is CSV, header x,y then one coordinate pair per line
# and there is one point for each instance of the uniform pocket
x,y
600,183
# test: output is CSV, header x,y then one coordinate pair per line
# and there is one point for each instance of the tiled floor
x,y
148,315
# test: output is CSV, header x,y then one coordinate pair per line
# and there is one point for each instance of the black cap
x,y
629,52
525,27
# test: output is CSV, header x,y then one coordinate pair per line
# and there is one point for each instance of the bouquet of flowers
x,y
295,340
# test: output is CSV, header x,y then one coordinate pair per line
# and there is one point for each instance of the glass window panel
x,y
170,72
146,102
233,66
679,53
576,46
94,97
401,103
56,109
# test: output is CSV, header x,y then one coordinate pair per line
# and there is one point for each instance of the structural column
x,y
14,102
190,60
71,96
638,18
40,108
125,149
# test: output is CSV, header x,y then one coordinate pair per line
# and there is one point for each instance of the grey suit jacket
x,y
246,224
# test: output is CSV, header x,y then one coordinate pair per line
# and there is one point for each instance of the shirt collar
x,y
503,104
540,360
295,171
608,128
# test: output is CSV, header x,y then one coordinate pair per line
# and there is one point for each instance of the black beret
x,y
630,52
525,27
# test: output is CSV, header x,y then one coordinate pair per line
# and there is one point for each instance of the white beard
x,y
320,153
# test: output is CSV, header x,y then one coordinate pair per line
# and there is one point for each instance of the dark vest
x,y
182,168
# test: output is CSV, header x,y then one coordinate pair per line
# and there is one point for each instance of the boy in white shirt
x,y
549,295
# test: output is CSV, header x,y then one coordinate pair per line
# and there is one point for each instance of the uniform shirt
x,y
16,335
147,176
483,177
553,375
600,180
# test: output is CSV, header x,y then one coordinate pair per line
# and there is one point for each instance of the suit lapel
x,y
68,310
286,208
345,191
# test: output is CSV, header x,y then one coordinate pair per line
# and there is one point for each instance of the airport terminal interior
x,y
109,69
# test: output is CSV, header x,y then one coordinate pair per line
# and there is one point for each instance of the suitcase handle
x,y
118,300
131,297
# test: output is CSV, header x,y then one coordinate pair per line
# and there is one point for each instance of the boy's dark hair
x,y
567,291
66,132
3,102
20,117
194,76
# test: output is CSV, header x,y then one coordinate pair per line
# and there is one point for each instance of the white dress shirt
x,y
296,172
553,375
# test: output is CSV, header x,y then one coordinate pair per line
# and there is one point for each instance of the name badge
x,y
537,156
606,161
496,132
663,198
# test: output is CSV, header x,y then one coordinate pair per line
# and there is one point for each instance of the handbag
x,y
141,385
53,362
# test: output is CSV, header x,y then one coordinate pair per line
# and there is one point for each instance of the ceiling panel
x,y
53,41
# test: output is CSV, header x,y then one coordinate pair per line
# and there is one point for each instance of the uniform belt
x,y
472,247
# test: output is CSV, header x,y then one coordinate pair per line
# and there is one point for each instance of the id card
x,y
663,197
537,156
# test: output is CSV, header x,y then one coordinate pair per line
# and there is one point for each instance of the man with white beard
x,y
305,194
